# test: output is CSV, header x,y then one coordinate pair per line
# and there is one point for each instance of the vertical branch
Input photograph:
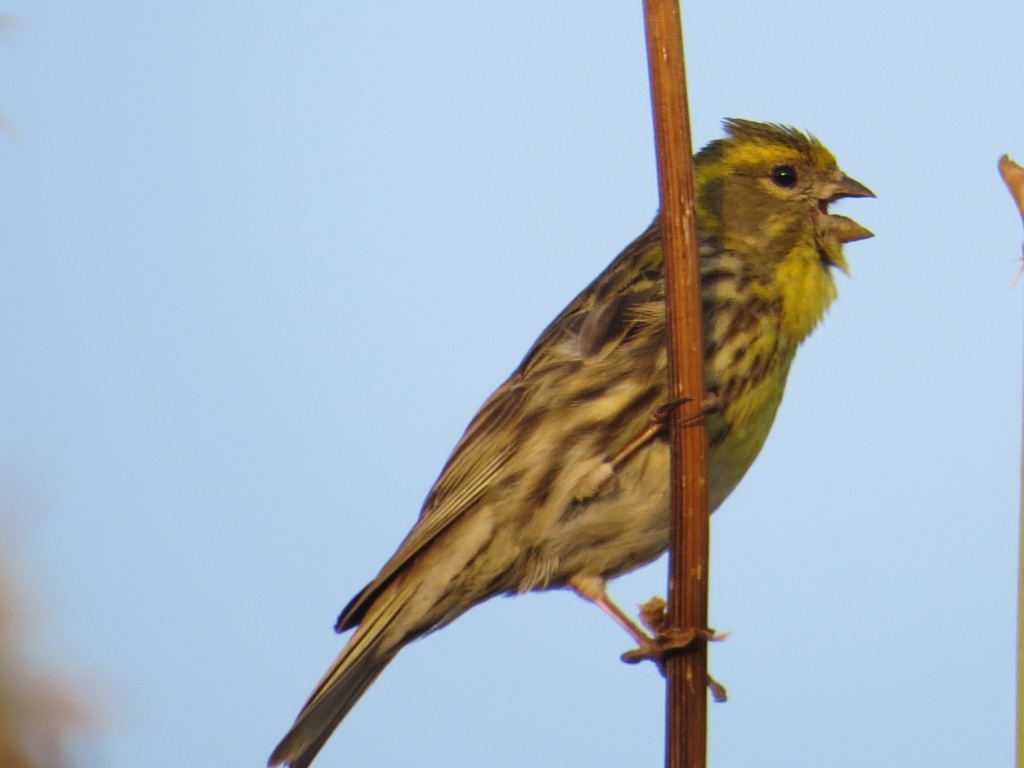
x,y
686,717
1019,737
1013,175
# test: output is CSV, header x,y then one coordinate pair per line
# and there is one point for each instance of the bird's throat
x,y
806,289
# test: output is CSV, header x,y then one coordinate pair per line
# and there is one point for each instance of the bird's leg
x,y
592,589
652,614
598,477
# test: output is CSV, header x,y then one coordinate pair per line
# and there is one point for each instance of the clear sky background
x,y
262,262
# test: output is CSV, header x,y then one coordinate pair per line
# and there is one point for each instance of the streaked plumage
x,y
517,508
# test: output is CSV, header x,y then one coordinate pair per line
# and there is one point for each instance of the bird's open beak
x,y
844,229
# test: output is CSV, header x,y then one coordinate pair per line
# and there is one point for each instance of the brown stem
x,y
686,720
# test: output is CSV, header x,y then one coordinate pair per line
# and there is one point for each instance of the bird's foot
x,y
594,481
663,641
659,646
597,478
709,404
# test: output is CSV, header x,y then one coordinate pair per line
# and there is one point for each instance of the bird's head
x,y
766,189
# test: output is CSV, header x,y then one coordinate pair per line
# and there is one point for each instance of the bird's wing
x,y
478,458
597,320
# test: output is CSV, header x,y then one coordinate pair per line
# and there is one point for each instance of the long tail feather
x,y
364,657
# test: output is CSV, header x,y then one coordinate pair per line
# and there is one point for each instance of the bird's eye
x,y
784,176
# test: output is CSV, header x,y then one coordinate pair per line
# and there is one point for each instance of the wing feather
x,y
597,320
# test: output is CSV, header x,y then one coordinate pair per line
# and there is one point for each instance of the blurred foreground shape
x,y
38,712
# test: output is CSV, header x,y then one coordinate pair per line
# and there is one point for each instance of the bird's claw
x,y
664,641
718,692
709,404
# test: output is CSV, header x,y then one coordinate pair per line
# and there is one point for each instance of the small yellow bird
x,y
559,481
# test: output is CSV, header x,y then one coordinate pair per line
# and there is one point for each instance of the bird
x,y
561,480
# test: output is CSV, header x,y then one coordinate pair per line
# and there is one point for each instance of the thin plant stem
x,y
1013,175
686,669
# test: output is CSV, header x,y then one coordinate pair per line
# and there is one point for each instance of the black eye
x,y
784,176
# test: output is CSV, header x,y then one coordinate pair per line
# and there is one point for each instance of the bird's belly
x,y
744,427
623,527
626,524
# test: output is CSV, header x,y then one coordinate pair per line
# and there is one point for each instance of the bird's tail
x,y
374,644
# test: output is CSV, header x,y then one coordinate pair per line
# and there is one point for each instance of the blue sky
x,y
262,264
